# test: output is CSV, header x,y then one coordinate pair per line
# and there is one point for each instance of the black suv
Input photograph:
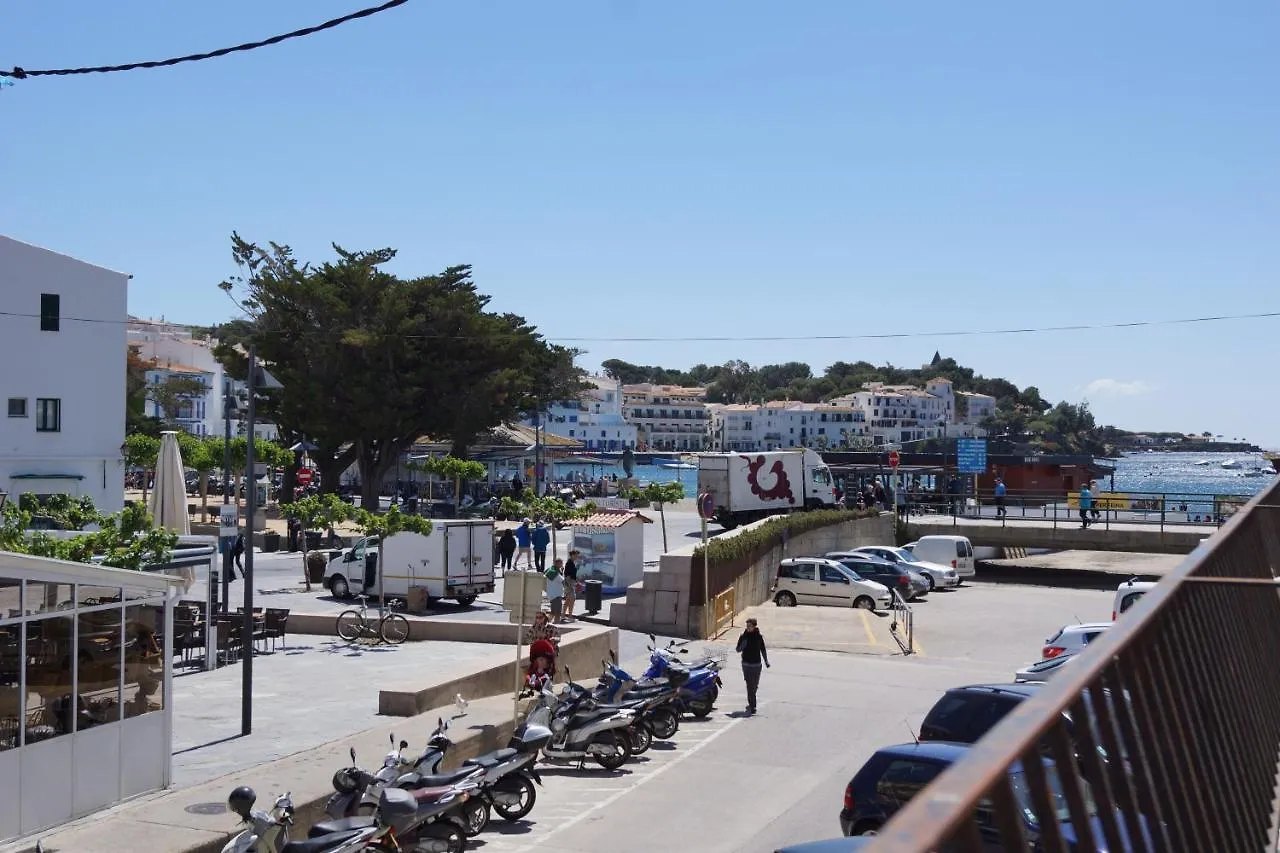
x,y
892,575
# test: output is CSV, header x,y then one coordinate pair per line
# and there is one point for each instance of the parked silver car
x,y
1043,670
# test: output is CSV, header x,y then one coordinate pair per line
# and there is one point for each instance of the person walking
x,y
522,544
1096,510
1086,504
570,585
754,654
237,553
506,549
517,487
540,538
1000,491
555,588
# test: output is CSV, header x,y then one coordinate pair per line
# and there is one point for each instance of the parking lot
x,y
838,690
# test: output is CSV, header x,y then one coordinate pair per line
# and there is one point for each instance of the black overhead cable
x,y
22,74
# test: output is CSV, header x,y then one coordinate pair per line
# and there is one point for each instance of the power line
x,y
1081,327
22,74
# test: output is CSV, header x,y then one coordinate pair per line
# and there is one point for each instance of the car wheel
x,y
864,602
339,587
866,829
466,600
784,599
929,579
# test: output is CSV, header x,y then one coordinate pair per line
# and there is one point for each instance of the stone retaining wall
x,y
660,602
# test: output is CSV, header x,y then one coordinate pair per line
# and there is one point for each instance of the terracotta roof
x,y
612,518
179,368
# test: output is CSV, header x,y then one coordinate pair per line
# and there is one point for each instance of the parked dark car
x,y
895,774
964,714
892,575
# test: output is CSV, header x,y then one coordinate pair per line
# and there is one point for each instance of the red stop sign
x,y
304,476
893,458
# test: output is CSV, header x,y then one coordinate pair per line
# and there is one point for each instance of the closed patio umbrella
x,y
168,503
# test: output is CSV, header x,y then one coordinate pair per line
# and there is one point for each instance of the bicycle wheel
x,y
350,625
394,629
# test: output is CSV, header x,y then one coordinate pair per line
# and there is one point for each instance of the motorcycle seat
x,y
583,718
319,845
434,780
492,759
342,825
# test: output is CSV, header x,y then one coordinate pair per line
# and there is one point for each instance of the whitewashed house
x,y
595,418
62,375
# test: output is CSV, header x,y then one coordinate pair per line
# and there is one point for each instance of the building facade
x,y
595,418
784,424
667,417
62,348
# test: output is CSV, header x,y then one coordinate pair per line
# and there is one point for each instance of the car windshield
x,y
1022,792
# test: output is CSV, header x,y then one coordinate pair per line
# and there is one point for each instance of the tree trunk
x,y
289,483
662,514
332,467
204,495
374,463
146,478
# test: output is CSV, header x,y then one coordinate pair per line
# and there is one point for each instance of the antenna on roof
x,y
915,739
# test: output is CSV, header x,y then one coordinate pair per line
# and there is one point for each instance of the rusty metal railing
x,y
1163,735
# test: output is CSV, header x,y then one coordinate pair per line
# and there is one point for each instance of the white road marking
x,y
618,793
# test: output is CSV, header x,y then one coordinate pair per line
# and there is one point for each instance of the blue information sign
x,y
971,455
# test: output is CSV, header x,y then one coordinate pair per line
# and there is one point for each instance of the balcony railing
x,y
1175,739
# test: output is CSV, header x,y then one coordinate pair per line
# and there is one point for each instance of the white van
x,y
455,561
1127,595
953,551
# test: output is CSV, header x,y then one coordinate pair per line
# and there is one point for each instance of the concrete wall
x,y
1172,540
582,647
81,364
660,602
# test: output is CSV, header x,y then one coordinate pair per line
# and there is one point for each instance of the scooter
x,y
698,693
507,775
265,832
426,820
661,712
578,733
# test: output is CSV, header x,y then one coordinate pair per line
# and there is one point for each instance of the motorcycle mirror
x,y
613,656
568,676
404,744
684,651
392,738
353,755
653,638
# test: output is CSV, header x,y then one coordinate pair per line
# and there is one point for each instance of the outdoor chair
x,y
274,626
229,644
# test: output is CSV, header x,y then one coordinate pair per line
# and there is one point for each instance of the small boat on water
x,y
1203,462
1232,464
679,466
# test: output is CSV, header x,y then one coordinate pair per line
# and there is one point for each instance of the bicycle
x,y
352,625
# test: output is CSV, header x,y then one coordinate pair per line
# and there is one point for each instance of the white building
x,y
170,350
667,417
899,413
977,407
62,373
595,418
783,424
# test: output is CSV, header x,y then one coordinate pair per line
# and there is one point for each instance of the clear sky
x,y
738,167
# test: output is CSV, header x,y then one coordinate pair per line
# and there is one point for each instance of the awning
x,y
46,476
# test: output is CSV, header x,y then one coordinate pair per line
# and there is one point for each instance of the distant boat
x,y
679,466
1231,464
1203,462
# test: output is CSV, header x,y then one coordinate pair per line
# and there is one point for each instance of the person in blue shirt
x,y
523,535
1086,504
1000,490
540,538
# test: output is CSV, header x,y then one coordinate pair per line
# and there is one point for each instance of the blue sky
x,y
622,169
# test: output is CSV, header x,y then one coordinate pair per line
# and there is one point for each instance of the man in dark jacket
x,y
751,647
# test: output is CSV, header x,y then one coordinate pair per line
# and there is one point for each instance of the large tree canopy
x,y
370,361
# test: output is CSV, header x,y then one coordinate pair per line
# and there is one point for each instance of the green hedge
x,y
754,543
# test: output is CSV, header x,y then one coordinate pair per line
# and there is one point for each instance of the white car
x,y
1127,595
1043,670
953,551
1072,639
936,575
816,580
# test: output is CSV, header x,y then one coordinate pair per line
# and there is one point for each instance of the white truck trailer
x,y
455,560
748,486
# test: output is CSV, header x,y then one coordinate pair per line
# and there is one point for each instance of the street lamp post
x,y
226,488
250,507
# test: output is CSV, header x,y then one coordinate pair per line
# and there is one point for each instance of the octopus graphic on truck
x,y
748,486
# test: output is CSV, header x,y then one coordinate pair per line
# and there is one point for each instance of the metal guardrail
x,y
903,625
1164,734
725,608
1166,509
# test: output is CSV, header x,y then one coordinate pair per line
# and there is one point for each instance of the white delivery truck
x,y
454,561
748,486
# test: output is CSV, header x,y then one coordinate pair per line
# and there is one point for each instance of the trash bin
x,y
591,595
271,542
313,540
294,545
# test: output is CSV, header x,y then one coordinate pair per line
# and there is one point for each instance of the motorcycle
x,y
698,692
265,832
579,732
424,820
506,776
661,710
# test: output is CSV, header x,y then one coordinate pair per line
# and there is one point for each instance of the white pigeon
x,y
461,704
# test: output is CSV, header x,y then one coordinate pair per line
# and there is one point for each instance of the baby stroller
x,y
542,665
